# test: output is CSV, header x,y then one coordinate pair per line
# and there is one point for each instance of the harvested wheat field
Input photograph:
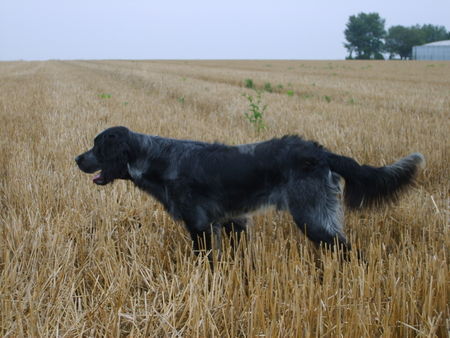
x,y
77,259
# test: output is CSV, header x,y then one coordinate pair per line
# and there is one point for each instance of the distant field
x,y
81,260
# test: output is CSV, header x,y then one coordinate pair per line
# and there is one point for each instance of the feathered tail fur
x,y
367,186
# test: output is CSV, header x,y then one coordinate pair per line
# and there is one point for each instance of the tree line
x,y
367,37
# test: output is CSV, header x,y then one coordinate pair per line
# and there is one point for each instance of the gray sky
x,y
195,29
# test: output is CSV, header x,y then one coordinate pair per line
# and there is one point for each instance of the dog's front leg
x,y
235,229
207,242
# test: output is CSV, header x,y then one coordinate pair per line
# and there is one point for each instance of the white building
x,y
439,50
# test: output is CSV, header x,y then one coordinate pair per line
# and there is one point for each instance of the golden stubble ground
x,y
81,260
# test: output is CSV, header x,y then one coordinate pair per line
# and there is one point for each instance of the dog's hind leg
x,y
315,205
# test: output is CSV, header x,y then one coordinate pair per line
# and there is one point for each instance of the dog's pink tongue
x,y
98,178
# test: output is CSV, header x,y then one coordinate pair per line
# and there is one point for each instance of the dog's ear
x,y
116,153
113,145
124,151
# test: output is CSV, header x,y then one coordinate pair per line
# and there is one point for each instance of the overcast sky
x,y
194,29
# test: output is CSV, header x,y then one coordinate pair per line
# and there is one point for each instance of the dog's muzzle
x,y
89,164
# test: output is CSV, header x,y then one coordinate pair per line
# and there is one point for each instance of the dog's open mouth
x,y
99,179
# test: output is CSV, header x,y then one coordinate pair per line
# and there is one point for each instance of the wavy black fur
x,y
214,186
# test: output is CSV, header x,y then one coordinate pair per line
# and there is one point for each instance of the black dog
x,y
210,186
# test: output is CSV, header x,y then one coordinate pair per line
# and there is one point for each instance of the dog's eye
x,y
111,136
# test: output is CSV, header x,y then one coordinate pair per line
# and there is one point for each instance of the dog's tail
x,y
367,186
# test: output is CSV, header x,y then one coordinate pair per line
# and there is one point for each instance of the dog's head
x,y
110,155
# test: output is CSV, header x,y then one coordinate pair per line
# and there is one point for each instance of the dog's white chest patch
x,y
135,171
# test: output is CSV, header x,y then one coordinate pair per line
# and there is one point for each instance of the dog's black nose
x,y
78,159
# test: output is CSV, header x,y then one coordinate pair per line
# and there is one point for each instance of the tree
x,y
400,40
433,33
364,34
